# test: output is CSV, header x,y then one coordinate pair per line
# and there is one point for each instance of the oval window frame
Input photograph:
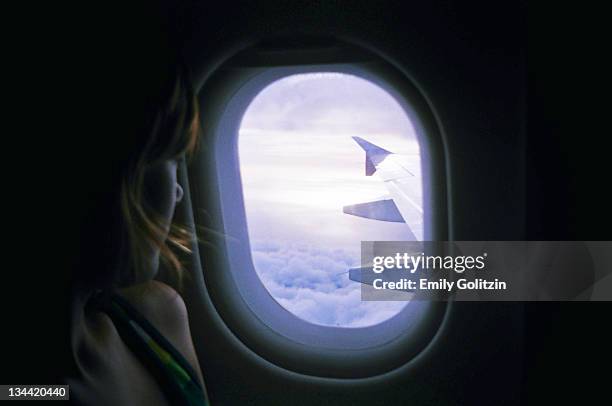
x,y
242,301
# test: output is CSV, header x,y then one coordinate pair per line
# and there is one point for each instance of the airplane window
x,y
327,160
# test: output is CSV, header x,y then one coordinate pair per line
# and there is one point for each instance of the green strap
x,y
175,375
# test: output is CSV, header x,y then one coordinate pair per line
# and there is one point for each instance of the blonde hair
x,y
174,132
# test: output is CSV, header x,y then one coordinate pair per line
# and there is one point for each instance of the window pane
x,y
300,166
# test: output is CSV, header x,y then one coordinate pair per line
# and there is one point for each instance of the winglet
x,y
370,148
374,154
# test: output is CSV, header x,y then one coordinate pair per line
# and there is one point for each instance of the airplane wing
x,y
399,176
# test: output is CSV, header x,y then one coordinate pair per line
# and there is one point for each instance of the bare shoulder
x,y
160,304
165,309
153,293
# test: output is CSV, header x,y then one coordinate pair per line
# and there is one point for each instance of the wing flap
x,y
366,276
383,210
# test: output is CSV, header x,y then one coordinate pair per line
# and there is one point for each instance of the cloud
x,y
312,282
326,102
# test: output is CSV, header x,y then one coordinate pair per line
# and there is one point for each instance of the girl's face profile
x,y
162,193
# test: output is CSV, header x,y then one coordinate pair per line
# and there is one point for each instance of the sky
x,y
299,166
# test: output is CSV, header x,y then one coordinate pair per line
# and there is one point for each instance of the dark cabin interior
x,y
513,87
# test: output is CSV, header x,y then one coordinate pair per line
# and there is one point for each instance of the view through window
x,y
304,176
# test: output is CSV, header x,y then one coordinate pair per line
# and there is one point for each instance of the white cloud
x,y
312,282
336,102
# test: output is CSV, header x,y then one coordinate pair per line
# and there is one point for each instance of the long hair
x,y
174,132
